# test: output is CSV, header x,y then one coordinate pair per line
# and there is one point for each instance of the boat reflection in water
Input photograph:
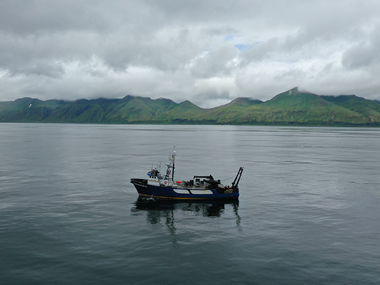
x,y
158,210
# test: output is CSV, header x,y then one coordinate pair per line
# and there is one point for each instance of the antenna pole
x,y
173,157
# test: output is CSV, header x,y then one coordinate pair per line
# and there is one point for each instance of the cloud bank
x,y
208,52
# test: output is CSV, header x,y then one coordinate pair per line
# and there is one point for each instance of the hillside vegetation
x,y
288,108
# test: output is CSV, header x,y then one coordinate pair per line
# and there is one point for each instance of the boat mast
x,y
173,160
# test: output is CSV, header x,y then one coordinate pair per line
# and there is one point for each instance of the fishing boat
x,y
163,185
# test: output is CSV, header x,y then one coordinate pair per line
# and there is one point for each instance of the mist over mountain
x,y
293,107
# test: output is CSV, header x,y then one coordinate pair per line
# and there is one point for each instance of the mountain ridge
x,y
292,107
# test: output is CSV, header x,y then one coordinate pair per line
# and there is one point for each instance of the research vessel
x,y
163,185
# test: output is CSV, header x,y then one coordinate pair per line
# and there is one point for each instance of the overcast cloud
x,y
208,52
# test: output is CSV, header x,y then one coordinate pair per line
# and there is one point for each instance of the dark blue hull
x,y
158,192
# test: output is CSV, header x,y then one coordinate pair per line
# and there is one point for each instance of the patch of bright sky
x,y
3,72
230,38
246,46
193,61
239,39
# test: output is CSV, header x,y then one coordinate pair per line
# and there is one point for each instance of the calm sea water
x,y
308,213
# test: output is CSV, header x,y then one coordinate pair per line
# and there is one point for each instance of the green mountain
x,y
302,108
370,109
292,107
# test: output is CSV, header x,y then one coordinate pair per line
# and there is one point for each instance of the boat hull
x,y
173,193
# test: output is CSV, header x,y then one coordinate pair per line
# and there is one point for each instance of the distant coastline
x,y
290,108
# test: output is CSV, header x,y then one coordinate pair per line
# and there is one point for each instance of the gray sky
x,y
205,51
